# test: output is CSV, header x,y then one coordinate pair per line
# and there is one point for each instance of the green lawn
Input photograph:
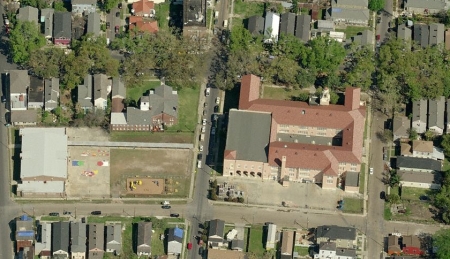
x,y
301,250
135,92
187,112
351,31
246,9
362,178
156,243
53,218
352,205
157,137
387,212
256,240
162,12
281,93
410,193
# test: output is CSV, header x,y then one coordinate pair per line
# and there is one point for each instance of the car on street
x,y
200,148
199,156
119,6
208,91
213,131
205,104
378,37
199,164
67,212
383,195
216,108
116,29
3,99
174,215
203,129
384,156
54,214
96,212
217,100
166,207
6,22
117,14
108,25
204,112
204,122
371,170
378,19
189,246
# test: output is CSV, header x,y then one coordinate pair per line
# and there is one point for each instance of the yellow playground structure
x,y
133,184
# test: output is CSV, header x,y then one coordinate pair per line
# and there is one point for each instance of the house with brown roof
x,y
293,141
400,128
143,8
287,244
142,25
118,95
228,254
394,245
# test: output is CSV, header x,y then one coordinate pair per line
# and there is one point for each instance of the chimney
x,y
283,166
352,98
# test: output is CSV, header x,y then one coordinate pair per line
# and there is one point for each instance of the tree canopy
x,y
24,39
376,5
441,240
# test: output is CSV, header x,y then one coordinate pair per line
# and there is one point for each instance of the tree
x,y
441,240
445,144
376,5
412,134
303,96
360,70
58,5
393,198
47,63
334,97
429,135
24,39
40,4
109,4
394,178
324,55
295,6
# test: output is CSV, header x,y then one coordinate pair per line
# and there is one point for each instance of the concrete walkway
x,y
130,144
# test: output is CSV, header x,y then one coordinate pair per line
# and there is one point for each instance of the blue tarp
x,y
28,233
178,232
25,218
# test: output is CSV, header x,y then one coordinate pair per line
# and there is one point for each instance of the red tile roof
x,y
117,105
143,25
250,89
143,7
230,154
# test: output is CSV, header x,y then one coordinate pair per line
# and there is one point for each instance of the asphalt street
x,y
386,19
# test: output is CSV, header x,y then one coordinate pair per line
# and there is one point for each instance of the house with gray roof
x,y
417,164
437,31
43,245
436,109
349,12
62,28
51,93
237,245
93,24
419,116
255,25
43,168
421,34
19,81
102,88
96,241
400,127
114,238
175,241
24,118
423,180
303,27
352,181
271,27
84,94
144,238
36,93
324,26
216,233
364,38
344,237
425,6
404,32
118,95
46,19
78,240
28,14
83,6
60,240
287,23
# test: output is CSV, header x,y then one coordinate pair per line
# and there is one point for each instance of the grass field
x,y
362,178
255,244
54,218
351,31
281,93
134,93
162,12
352,205
410,193
247,9
301,250
156,137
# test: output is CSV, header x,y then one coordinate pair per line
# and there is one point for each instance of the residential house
x,y
364,38
328,250
43,168
143,8
271,240
19,81
142,25
400,128
175,241
293,141
303,27
102,88
325,26
421,34
84,94
287,23
216,233
84,6
43,243
394,245
411,245
47,20
62,28
28,14
436,109
78,240
447,39
96,242
423,149
344,237
404,32
419,116
228,254
36,93
114,238
157,110
118,95
424,180
436,33
425,7
25,235
287,244
255,25
24,118
271,27
144,238
349,12
194,18
237,244
93,24
418,164
448,117
51,93
352,181
60,240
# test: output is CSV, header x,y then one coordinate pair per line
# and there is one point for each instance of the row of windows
x,y
245,166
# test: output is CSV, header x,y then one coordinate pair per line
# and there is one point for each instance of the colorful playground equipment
x,y
134,183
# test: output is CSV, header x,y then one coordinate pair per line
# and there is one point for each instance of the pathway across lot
x,y
129,144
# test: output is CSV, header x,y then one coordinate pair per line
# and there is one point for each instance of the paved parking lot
x,y
297,195
88,173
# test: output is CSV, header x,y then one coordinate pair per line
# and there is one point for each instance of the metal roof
x,y
333,232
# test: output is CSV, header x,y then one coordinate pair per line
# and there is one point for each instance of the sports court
x,y
88,172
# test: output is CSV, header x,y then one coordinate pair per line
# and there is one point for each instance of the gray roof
x,y
47,19
348,14
237,244
420,177
425,4
436,33
436,109
216,228
44,153
324,25
256,25
85,92
164,100
101,83
404,32
60,236
96,236
62,25
138,117
87,2
118,88
28,14
19,81
144,237
346,252
332,232
303,27
364,38
27,116
51,92
352,179
287,23
419,110
350,3
78,237
400,126
418,163
42,187
44,237
421,34
254,128
114,238
93,23
327,246
36,90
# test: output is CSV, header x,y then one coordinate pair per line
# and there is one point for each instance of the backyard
x,y
362,178
351,31
280,93
353,205
244,9
415,210
255,243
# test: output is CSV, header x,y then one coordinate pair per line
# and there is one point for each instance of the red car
x,y
189,246
117,29
200,241
378,37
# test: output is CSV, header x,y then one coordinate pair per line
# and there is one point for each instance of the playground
x,y
88,172
143,186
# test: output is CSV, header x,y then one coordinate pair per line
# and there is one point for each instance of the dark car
x,y
383,195
3,99
54,214
67,213
117,14
166,207
216,108
174,215
83,220
119,5
96,212
108,25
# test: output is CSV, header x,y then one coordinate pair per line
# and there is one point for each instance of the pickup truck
x,y
202,137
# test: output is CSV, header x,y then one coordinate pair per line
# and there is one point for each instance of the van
x,y
225,23
202,137
216,14
199,164
208,91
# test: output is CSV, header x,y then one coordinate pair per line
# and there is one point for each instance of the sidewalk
x,y
366,157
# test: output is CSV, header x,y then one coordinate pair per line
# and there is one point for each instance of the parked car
x,y
166,207
204,122
3,99
213,131
108,25
174,215
67,212
371,170
6,22
216,108
96,212
116,29
217,100
383,195
200,148
189,246
119,5
205,104
54,214
117,14
378,37
199,164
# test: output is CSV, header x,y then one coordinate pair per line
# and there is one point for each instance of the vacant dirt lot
x,y
87,134
152,163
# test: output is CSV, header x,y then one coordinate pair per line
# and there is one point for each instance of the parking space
x,y
88,172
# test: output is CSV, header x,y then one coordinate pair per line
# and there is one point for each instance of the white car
x,y
200,148
371,170
203,129
199,164
217,100
204,122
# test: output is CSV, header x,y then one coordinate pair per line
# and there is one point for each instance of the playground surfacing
x,y
142,186
88,172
